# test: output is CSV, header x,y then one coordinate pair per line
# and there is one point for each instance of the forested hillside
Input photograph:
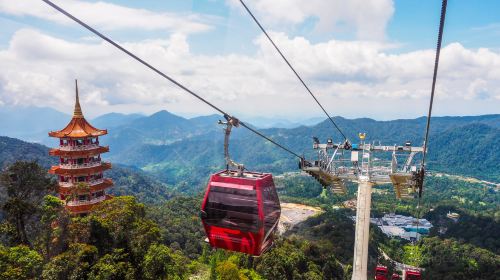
x,y
123,239
126,239
178,149
12,150
458,145
128,180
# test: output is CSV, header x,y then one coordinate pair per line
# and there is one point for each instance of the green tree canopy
x,y
75,263
19,263
113,266
160,262
24,184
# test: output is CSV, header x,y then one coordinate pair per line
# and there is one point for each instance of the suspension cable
x,y
118,46
293,69
426,139
421,175
434,77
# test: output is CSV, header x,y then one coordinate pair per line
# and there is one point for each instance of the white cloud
x,y
107,16
368,18
350,78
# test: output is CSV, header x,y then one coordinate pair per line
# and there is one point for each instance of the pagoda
x,y
80,171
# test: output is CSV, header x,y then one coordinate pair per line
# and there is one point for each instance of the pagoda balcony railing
x,y
78,166
65,184
86,202
78,148
90,183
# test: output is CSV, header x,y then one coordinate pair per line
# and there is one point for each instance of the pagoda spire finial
x,y
78,110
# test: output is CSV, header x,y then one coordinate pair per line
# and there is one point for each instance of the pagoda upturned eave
x,y
79,207
61,170
92,151
70,189
78,127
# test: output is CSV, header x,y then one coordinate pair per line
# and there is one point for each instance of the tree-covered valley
x,y
152,229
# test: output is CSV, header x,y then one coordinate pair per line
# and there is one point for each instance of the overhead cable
x,y
118,46
434,77
293,69
431,102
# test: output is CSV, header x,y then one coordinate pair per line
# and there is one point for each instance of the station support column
x,y
362,230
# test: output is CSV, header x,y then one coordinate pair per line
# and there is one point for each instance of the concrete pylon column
x,y
362,230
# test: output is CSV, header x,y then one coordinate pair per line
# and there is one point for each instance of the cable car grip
x,y
230,122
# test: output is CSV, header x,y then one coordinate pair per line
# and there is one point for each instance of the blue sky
x,y
474,24
413,25
374,57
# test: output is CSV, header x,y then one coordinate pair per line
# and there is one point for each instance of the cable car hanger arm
x,y
230,122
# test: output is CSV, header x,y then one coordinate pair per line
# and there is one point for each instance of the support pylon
x,y
360,263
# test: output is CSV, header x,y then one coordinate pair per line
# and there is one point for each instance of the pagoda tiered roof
x,y
102,185
78,127
82,185
77,207
79,169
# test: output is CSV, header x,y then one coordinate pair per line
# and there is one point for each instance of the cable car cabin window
x,y
233,208
272,208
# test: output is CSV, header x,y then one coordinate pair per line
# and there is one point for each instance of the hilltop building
x,y
80,171
405,227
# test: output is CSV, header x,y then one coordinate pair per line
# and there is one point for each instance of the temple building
x,y
80,171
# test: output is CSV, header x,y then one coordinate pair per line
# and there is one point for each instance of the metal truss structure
x,y
338,163
367,164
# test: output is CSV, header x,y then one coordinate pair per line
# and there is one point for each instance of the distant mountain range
x,y
184,151
33,123
458,145
114,119
30,123
264,122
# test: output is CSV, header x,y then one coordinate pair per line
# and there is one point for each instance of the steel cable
x,y
421,176
293,69
427,128
118,46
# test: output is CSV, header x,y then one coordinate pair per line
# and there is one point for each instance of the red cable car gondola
x,y
411,274
240,210
395,276
381,272
241,213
